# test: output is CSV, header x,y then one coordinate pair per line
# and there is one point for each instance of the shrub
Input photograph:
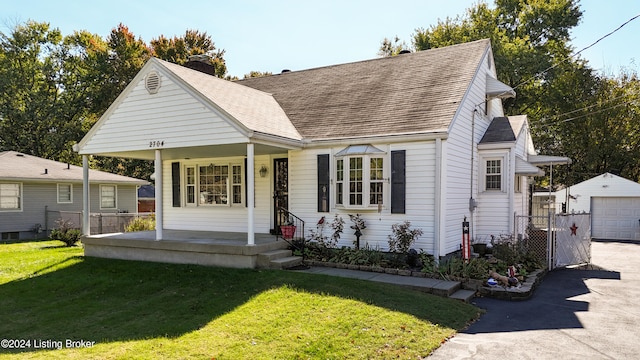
x,y
403,237
65,232
142,224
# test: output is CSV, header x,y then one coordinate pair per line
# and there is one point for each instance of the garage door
x,y
615,218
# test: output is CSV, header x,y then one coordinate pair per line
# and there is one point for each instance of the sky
x,y
295,34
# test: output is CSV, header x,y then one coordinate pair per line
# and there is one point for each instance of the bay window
x,y
360,176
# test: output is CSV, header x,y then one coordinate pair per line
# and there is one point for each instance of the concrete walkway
x,y
438,287
573,314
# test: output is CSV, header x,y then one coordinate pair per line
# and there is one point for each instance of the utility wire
x,y
577,53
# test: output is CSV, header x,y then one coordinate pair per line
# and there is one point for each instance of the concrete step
x,y
445,288
285,262
264,259
463,295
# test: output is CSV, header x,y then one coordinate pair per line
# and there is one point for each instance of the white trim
x,y
20,197
484,158
115,196
250,195
381,139
70,201
159,190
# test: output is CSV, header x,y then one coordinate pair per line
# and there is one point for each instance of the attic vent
x,y
152,82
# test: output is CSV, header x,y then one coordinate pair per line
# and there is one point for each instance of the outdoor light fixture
x,y
263,171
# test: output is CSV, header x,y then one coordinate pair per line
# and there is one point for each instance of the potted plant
x,y
288,230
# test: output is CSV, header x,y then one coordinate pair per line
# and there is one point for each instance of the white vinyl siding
x,y
65,193
108,197
142,121
420,199
10,196
461,175
232,217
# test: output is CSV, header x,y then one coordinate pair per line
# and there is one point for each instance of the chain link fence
x,y
100,223
555,240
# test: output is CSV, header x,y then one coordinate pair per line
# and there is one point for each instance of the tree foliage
x,y
178,49
573,111
53,88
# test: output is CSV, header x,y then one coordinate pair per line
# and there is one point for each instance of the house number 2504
x,y
156,143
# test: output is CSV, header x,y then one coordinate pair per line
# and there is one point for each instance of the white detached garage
x,y
614,204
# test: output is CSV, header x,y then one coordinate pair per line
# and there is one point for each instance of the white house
x,y
613,201
419,137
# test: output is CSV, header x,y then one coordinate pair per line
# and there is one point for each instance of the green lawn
x,y
51,294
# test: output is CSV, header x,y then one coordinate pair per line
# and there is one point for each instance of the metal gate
x,y
558,240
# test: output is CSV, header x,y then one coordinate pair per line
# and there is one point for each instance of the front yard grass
x,y
138,310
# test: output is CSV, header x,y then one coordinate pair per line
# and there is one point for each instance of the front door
x,y
280,192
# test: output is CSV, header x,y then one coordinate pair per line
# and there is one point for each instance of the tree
x,y
254,74
392,48
38,114
178,49
572,110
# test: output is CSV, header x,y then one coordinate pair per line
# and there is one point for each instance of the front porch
x,y
210,248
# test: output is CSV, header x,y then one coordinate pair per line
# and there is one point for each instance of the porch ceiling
x,y
194,152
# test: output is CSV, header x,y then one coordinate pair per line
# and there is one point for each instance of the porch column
x,y
86,224
158,173
250,195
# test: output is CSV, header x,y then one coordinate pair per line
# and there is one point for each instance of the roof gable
x,y
607,183
186,108
500,130
410,93
15,166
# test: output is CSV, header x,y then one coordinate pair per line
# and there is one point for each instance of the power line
x,y
576,53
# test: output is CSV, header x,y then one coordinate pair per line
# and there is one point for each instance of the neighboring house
x,y
34,191
146,199
419,137
613,201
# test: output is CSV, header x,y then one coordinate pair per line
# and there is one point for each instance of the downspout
x,y
439,208
511,188
472,201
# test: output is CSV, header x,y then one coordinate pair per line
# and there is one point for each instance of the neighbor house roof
x,y
15,166
410,93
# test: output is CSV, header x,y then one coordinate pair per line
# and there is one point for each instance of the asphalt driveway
x,y
573,314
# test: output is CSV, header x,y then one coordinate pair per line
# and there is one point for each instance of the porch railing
x,y
290,228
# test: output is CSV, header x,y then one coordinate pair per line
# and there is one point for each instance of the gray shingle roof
x,y
499,130
409,93
21,167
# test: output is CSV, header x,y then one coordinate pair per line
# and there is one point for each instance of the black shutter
x,y
398,182
323,183
175,183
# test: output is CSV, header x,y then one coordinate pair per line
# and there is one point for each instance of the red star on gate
x,y
573,229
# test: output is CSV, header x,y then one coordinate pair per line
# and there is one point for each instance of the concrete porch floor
x,y
211,248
